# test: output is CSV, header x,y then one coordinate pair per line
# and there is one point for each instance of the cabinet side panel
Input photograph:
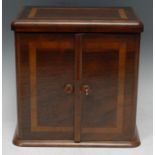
x,y
132,66
17,42
22,79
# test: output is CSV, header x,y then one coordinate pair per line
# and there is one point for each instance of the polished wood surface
x,y
104,71
78,78
70,143
46,107
76,89
74,19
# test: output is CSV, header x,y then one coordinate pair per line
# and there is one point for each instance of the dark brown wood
x,y
44,105
75,86
78,78
104,71
48,19
70,143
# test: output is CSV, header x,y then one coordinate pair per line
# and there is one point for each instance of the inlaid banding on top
x,y
78,13
122,14
32,13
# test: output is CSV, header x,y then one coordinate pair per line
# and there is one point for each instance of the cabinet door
x,y
109,77
45,72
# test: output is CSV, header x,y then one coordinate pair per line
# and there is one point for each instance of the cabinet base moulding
x,y
70,143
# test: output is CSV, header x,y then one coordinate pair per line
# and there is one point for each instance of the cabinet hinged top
x,y
77,19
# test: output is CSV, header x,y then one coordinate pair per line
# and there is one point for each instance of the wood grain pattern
x,y
77,76
121,84
69,143
58,12
33,92
77,19
33,86
18,82
121,87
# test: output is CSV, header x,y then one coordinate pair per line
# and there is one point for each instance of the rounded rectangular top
x,y
77,19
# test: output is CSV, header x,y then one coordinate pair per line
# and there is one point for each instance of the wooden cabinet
x,y
77,71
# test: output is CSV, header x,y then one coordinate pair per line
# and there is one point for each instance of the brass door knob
x,y
68,88
86,90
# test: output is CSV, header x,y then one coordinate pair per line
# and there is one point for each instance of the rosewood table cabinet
x,y
77,71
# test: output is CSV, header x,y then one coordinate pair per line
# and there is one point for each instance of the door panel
x,y
100,71
50,66
105,79
55,106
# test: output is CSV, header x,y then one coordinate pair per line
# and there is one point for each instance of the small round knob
x,y
86,90
68,88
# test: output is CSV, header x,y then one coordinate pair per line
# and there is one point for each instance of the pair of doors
x,y
77,87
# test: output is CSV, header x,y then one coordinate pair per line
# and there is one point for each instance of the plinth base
x,y
70,143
